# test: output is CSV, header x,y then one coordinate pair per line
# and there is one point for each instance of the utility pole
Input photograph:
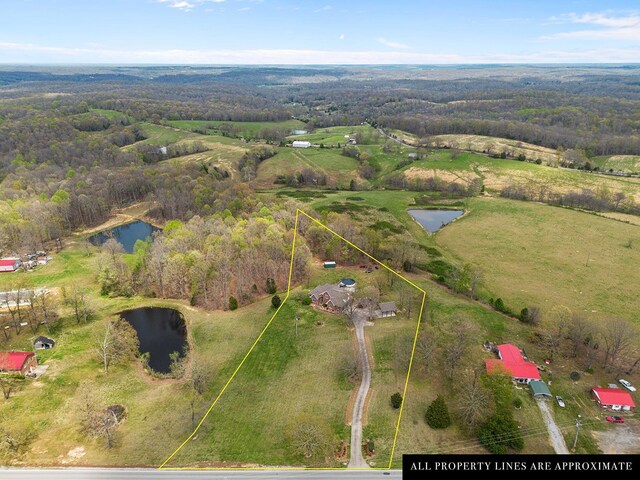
x,y
578,425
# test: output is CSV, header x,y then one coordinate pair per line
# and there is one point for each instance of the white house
x,y
301,144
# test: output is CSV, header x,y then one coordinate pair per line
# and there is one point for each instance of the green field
x,y
338,169
623,163
332,136
533,254
246,129
497,173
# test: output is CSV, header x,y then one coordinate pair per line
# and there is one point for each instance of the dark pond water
x,y
126,235
161,332
434,220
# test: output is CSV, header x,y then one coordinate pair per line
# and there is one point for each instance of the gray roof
x,y
388,307
45,340
338,295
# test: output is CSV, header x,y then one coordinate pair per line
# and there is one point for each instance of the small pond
x,y
126,235
434,220
161,331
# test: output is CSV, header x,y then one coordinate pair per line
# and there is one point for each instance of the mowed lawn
x,y
287,377
538,255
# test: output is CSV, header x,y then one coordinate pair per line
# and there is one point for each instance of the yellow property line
x,y
406,384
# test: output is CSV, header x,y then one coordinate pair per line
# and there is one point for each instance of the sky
x,y
319,32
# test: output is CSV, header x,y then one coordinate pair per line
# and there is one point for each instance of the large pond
x,y
127,235
434,220
161,331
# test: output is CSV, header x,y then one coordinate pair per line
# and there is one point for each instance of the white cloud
x,y
32,53
610,26
341,37
390,44
186,6
326,8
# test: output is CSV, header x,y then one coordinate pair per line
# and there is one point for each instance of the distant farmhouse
x,y
17,363
300,144
512,363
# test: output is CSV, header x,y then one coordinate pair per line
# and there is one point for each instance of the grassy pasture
x,y
247,129
338,169
533,254
624,163
495,145
337,135
497,173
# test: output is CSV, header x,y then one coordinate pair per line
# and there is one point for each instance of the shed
x,y
19,363
388,309
329,264
43,343
301,144
10,264
539,389
298,132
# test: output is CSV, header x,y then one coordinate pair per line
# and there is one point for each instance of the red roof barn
x,y
17,362
513,363
613,398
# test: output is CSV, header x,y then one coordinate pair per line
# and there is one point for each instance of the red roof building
x,y
512,363
9,264
17,362
613,398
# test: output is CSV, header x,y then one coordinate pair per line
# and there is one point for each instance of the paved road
x,y
357,460
555,435
152,474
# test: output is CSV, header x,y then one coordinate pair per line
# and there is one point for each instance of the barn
x,y
614,399
10,264
301,144
19,363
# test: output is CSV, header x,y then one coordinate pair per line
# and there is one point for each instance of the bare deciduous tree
x,y
474,401
116,341
618,336
309,436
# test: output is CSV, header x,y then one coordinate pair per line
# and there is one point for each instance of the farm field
x,y
245,129
623,163
338,169
332,136
538,255
497,173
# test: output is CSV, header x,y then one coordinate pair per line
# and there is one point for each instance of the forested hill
x,y
592,108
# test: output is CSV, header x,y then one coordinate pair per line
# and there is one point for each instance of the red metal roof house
x,y
613,398
17,362
513,363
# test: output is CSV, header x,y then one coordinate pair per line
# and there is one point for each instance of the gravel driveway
x,y
555,435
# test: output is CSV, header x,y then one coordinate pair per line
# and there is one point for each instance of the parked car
x,y
615,419
560,401
627,385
